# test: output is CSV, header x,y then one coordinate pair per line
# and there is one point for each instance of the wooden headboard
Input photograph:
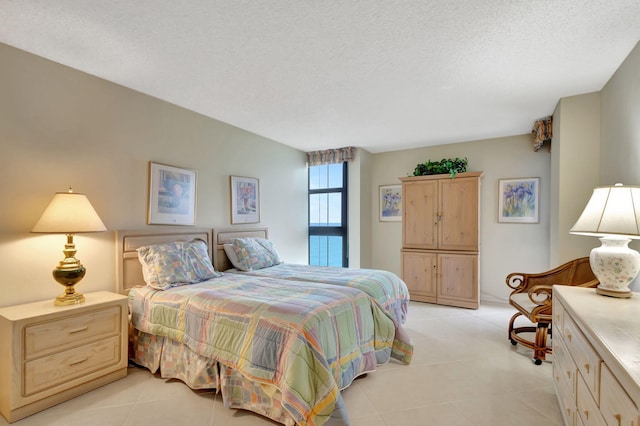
x,y
226,236
129,270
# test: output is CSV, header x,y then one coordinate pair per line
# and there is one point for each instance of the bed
x,y
385,288
281,348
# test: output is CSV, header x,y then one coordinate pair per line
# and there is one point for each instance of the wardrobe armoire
x,y
441,238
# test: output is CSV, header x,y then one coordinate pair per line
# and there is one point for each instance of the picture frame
x,y
518,200
172,195
390,203
245,199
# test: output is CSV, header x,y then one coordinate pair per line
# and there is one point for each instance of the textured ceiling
x,y
378,74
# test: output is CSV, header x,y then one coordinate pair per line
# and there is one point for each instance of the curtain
x,y
542,132
330,156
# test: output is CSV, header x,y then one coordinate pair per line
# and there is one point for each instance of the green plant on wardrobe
x,y
447,165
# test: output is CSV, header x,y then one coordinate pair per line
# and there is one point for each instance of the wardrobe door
x,y
458,214
420,214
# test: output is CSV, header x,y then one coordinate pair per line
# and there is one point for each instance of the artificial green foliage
x,y
447,165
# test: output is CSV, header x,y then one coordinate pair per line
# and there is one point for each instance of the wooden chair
x,y
532,295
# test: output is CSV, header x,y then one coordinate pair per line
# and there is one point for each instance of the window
x,y
328,215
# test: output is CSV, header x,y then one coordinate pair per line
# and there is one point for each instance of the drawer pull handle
x,y
586,366
586,414
78,330
618,417
80,361
569,337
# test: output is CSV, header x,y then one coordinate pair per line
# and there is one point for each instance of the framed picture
x,y
390,197
172,195
518,200
245,200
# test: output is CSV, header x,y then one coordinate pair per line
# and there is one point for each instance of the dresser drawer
x,y
558,314
616,406
59,368
563,366
45,338
586,358
586,406
566,396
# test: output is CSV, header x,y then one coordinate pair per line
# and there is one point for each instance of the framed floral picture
x,y
518,200
172,195
390,197
245,200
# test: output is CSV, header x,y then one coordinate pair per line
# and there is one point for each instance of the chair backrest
x,y
582,272
575,272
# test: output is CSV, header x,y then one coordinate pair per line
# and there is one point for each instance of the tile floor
x,y
464,372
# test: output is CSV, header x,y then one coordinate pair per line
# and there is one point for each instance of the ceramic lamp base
x,y
615,265
620,294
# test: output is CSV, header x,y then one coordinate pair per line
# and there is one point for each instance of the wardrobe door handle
x,y
80,361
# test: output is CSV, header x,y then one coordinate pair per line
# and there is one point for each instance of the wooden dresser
x,y
596,348
50,354
441,239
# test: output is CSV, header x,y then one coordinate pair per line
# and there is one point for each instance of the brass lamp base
x,y
68,278
68,273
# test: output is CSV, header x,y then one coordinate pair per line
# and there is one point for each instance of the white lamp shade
x,y
613,210
69,213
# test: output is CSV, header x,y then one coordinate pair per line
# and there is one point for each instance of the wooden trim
x,y
226,236
435,177
128,268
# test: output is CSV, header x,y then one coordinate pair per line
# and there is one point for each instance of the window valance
x,y
542,132
330,156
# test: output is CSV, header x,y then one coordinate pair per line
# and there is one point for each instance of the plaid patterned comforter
x,y
386,288
309,340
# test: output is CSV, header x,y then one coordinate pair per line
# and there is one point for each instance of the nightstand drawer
x,y
42,339
52,370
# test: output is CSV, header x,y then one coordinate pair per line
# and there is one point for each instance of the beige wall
x,y
620,156
61,127
359,173
596,143
505,247
575,172
620,129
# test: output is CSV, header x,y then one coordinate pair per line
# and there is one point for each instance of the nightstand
x,y
50,354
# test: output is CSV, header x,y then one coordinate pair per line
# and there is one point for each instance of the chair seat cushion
x,y
523,302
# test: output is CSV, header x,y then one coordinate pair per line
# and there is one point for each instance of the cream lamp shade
x,y
613,214
69,213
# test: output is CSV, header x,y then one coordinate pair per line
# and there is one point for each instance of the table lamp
x,y
613,214
69,213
